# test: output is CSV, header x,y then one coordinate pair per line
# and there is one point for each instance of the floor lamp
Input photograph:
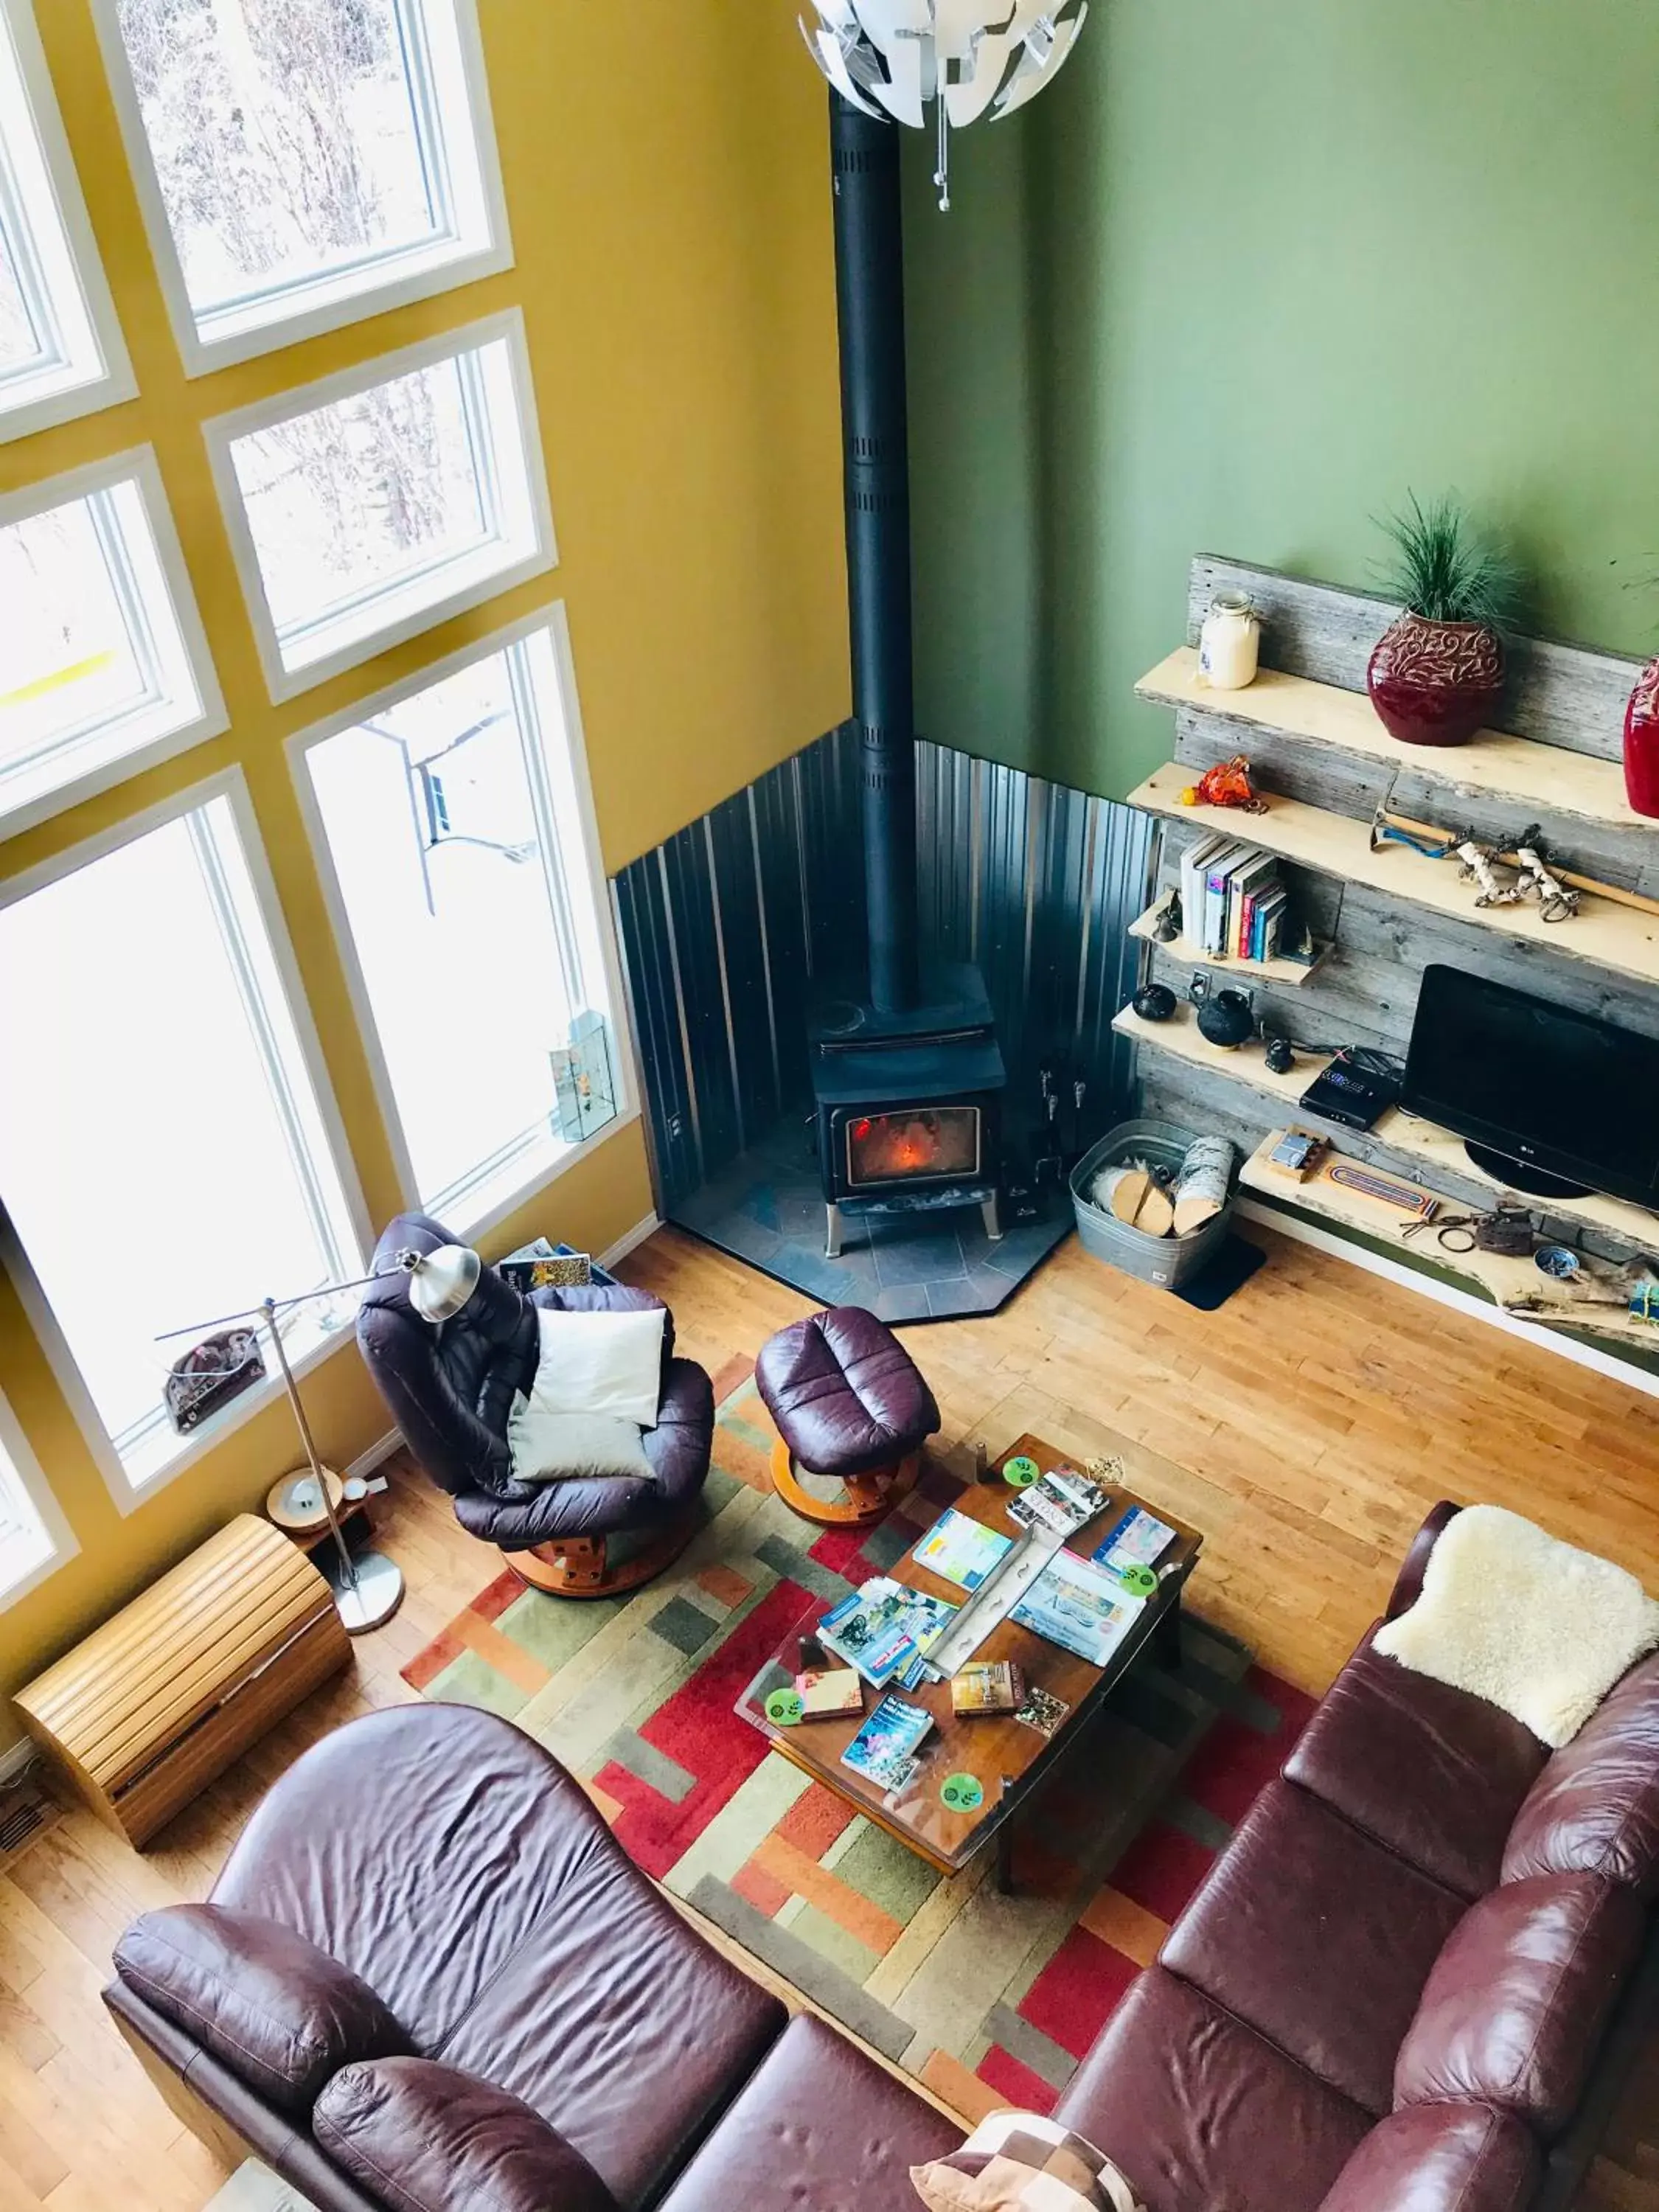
x,y
367,1587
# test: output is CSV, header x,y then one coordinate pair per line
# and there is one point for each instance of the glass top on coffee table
x,y
973,1772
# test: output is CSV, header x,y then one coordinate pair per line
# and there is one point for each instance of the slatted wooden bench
x,y
163,1697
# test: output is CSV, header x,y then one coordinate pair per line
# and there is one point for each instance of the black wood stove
x,y
909,1080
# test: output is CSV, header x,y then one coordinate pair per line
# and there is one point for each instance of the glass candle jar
x,y
1229,643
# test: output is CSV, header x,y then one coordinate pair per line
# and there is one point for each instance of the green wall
x,y
1236,282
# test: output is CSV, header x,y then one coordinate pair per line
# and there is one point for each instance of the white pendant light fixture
x,y
969,57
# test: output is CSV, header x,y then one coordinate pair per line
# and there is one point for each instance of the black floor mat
x,y
1230,1269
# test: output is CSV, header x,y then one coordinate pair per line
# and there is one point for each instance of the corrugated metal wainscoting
x,y
729,928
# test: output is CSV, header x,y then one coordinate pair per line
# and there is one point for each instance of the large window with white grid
x,y
61,353
304,163
455,830
168,1153
367,506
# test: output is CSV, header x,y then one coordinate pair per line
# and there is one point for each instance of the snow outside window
x,y
451,816
34,1537
304,163
103,665
61,352
169,1115
368,506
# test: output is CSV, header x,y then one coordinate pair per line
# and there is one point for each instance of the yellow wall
x,y
666,182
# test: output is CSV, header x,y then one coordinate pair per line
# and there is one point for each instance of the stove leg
x,y
991,1208
831,1232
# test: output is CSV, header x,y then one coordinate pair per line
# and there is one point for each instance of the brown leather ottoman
x,y
819,2126
851,1406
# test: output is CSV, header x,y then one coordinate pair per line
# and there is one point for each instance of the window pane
x,y
450,823
303,149
94,665
53,360
345,501
377,510
23,344
168,1113
26,1543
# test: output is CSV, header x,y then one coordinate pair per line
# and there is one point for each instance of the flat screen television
x,y
1553,1102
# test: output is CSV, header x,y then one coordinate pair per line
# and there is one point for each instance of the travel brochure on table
x,y
885,1629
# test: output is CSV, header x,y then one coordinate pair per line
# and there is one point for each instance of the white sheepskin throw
x,y
1523,1620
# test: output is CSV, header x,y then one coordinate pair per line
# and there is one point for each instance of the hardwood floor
x,y
1314,1419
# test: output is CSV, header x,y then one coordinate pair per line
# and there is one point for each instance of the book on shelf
x,y
1195,868
1213,938
1269,917
1246,884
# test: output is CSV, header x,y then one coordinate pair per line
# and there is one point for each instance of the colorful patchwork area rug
x,y
988,1997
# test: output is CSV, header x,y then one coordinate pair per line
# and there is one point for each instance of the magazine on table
x,y
884,1630
1138,1540
883,1750
962,1551
1081,1605
1062,1500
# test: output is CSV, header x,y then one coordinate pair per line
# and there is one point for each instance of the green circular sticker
x,y
1139,1579
1021,1473
963,1793
784,1708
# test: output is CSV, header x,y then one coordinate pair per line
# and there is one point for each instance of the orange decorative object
x,y
1227,784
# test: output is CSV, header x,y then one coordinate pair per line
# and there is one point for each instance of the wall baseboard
x,y
626,1243
1376,1263
366,1462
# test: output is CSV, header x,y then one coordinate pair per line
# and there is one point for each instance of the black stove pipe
x,y
870,308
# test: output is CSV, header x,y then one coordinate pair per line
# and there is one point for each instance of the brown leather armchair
x,y
450,1386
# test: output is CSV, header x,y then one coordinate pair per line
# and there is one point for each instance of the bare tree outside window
x,y
285,144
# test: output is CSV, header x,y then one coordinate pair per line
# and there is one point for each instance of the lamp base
x,y
376,1595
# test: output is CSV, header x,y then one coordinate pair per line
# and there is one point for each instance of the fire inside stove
x,y
913,1145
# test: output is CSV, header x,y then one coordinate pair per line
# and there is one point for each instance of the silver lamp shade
x,y
973,57
442,1281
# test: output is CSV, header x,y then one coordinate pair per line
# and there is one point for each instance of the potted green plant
x,y
1437,675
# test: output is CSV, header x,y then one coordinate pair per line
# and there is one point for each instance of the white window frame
x,y
481,1202
18,1462
223,431
128,1493
38,161
351,295
139,467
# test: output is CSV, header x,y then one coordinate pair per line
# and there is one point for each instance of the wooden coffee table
x,y
1010,1760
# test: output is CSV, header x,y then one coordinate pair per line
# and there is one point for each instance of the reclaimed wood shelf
x,y
1538,779
1499,1277
1421,1150
1293,973
1619,938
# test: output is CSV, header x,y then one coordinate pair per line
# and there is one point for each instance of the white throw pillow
x,y
565,1447
600,1363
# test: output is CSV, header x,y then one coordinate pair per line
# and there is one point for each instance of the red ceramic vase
x,y
1436,683
1642,742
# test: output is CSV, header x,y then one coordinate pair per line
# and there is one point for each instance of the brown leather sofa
x,y
1409,1984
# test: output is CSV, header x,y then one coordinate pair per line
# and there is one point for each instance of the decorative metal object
x,y
1225,1018
1154,1002
966,57
1282,1056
